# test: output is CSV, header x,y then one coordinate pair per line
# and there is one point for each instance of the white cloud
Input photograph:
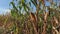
x,y
4,11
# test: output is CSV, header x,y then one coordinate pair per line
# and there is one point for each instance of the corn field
x,y
39,22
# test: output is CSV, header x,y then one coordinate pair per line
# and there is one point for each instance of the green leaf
x,y
14,6
20,7
13,13
30,3
34,3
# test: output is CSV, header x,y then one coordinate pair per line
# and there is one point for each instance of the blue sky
x,y
4,5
